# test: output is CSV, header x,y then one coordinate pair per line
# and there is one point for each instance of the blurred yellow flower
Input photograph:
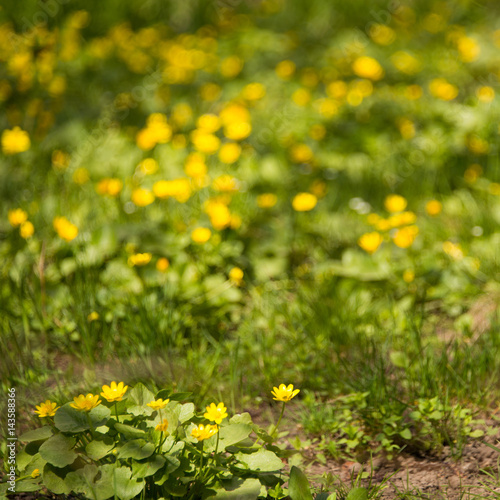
x,y
433,207
195,166
317,132
413,92
395,203
285,69
93,316
442,89
231,66
404,237
370,242
216,413
163,426
158,404
472,173
142,197
253,92
485,94
409,275
60,159
65,229
301,97
17,217
201,234
81,176
148,166
401,219
15,141
225,183
220,216
468,48
229,152
494,188
114,392
205,142
47,409
26,230
236,275
237,131
162,264
85,403
209,123
110,186
405,62
35,473
267,200
454,250
382,34
284,393
303,202
337,89
139,259
368,67
202,432
180,189
210,92
301,153
157,131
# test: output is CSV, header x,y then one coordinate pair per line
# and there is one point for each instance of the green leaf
x,y
263,460
476,434
53,479
249,489
399,359
298,485
406,434
358,494
27,485
138,449
148,468
99,448
37,434
230,435
186,412
180,396
58,450
83,481
241,418
125,487
69,419
129,431
138,399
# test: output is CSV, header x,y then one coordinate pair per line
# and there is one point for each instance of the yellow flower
x,y
158,404
284,393
210,91
85,403
285,69
93,316
17,217
395,203
139,259
205,142
485,94
60,159
409,275
162,264
369,242
368,67
442,89
231,66
267,200
238,130
114,391
180,189
405,236
142,197
110,186
26,230
35,473
382,34
433,207
253,92
148,166
209,123
225,183
163,426
220,216
236,275
202,432
15,141
301,153
201,234
195,166
216,413
157,131
229,152
303,202
65,229
47,409
81,176
454,250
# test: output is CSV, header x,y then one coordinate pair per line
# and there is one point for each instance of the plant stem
x,y
279,420
116,412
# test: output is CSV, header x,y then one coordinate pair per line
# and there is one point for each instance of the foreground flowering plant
x,y
137,444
